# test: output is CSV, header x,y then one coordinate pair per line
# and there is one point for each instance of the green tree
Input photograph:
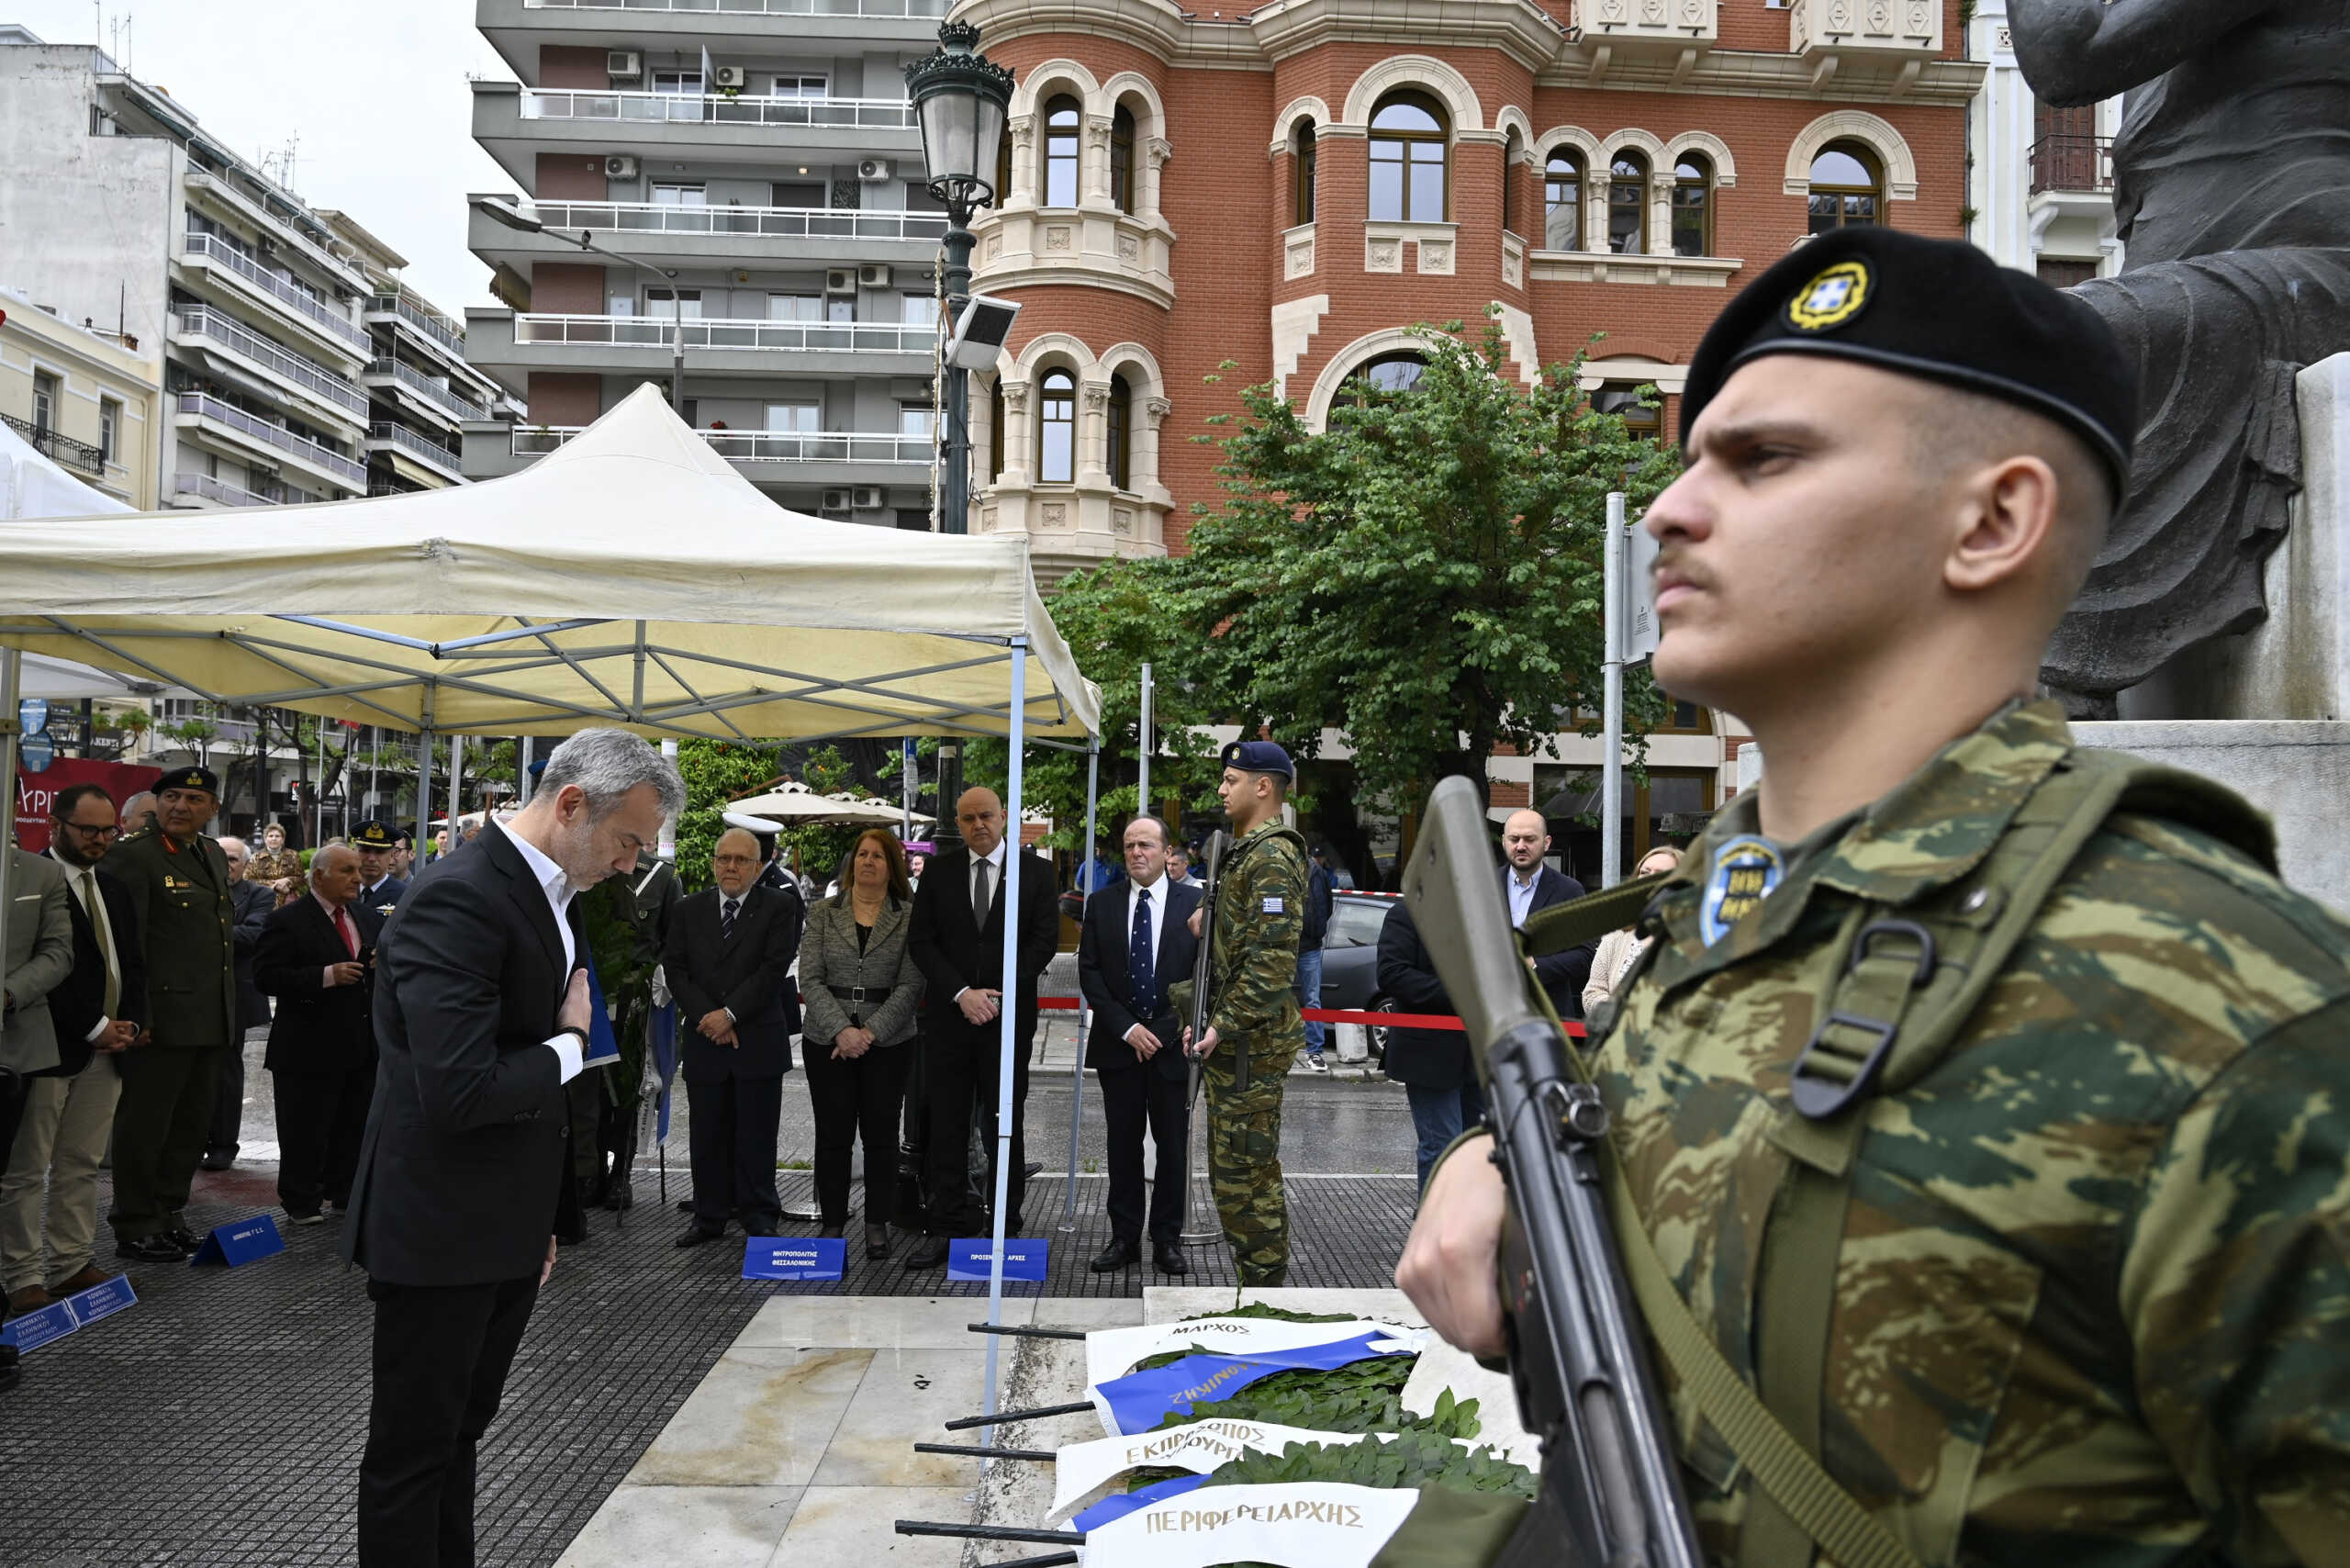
x,y
718,771
1424,575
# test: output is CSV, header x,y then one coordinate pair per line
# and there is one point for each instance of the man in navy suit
x,y
317,957
1137,943
1529,885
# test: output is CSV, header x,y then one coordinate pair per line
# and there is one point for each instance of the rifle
x,y
1203,966
1576,1355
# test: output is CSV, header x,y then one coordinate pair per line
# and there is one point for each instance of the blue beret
x,y
1259,757
537,767
1936,309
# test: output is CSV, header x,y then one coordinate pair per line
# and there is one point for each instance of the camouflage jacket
x,y
2092,1303
1259,917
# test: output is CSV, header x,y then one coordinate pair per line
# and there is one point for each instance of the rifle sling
x,y
1590,917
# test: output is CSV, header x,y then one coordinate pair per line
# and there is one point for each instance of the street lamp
x,y
960,100
513,218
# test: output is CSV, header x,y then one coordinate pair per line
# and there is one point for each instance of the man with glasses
x,y
69,1108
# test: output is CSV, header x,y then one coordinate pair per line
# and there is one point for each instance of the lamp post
x,y
513,218
960,100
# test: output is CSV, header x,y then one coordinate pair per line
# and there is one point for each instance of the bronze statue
x,y
2232,192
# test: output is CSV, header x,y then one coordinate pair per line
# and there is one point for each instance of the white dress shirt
x,y
1158,891
84,881
326,974
567,1048
1521,894
994,859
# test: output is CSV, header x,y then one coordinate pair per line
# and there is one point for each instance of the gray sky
x,y
377,93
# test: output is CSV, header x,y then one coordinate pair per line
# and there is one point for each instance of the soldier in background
x,y
2060,1276
380,887
1253,1027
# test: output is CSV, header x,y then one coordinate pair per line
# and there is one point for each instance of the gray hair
x,y
607,764
329,855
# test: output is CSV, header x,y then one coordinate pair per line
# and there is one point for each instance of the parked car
x,y
1350,957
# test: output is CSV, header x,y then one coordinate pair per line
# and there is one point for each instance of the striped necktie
x,y
726,909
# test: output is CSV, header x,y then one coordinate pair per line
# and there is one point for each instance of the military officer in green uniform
x,y
178,882
1978,1103
1253,1028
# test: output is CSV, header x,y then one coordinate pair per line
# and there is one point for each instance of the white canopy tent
x,y
33,486
794,803
632,577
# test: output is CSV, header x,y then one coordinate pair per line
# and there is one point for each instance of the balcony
x,y
275,370
63,449
829,457
285,230
519,29
730,236
1823,31
444,401
437,335
514,124
515,344
401,439
1632,28
206,256
246,434
2072,165
220,492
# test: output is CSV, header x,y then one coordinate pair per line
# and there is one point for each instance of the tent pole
x,y
456,785
1084,1013
10,670
1010,1010
424,783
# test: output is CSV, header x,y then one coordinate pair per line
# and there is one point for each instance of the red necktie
x,y
350,935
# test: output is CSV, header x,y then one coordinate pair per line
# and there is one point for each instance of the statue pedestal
x,y
2265,713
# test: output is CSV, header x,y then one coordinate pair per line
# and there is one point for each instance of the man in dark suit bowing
x,y
1529,885
317,957
957,943
481,1018
1137,941
727,951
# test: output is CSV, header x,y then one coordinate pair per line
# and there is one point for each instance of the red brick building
x,y
1292,188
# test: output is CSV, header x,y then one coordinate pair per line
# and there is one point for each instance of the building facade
x,y
262,315
759,164
84,396
2041,178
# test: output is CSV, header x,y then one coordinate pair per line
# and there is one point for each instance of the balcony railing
x,y
875,9
764,446
416,446
651,332
766,222
220,491
446,397
440,331
2072,163
279,436
59,448
203,322
212,249
844,114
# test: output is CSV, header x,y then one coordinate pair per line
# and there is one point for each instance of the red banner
x,y
36,791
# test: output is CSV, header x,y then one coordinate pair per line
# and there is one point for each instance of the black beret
x,y
1259,757
1938,308
374,835
202,779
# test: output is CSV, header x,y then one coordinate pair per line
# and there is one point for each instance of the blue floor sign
x,y
1023,1258
241,1241
794,1258
62,1317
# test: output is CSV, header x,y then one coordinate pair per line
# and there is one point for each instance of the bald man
x,y
727,951
316,955
956,941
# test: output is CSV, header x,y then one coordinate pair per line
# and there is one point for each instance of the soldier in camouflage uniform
x,y
1254,1030
2083,1293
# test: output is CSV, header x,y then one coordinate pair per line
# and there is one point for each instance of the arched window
x,y
1407,159
1061,118
1628,203
1562,202
1397,372
995,431
1643,421
1057,428
1301,140
1846,187
1121,158
1003,169
1120,453
1510,177
1692,207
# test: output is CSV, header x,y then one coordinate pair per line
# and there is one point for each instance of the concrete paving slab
x,y
907,1396
761,1418
877,1322
853,1527
685,1527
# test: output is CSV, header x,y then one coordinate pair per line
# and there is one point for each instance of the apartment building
x,y
759,164
83,396
2040,181
265,316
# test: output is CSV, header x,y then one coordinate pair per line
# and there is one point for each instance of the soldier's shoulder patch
x,y
1272,906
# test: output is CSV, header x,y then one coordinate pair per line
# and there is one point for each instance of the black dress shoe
x,y
931,1254
1168,1256
1117,1255
184,1238
152,1250
876,1241
1034,1168
685,1205
695,1236
217,1162
10,1373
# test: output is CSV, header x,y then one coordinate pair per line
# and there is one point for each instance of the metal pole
x,y
949,832
456,785
667,847
954,486
319,796
676,367
529,743
1611,767
1143,748
909,784
424,786
10,664
1006,1046
1084,1013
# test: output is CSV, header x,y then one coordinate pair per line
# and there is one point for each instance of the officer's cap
x,y
202,779
1938,308
1259,757
374,835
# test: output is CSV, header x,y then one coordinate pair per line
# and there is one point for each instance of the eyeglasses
x,y
103,830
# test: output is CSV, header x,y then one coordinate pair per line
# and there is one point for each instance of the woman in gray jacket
x,y
860,990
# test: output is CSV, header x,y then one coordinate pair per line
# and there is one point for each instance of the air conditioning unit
x,y
623,65
620,166
836,500
869,498
873,277
731,78
873,169
840,280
